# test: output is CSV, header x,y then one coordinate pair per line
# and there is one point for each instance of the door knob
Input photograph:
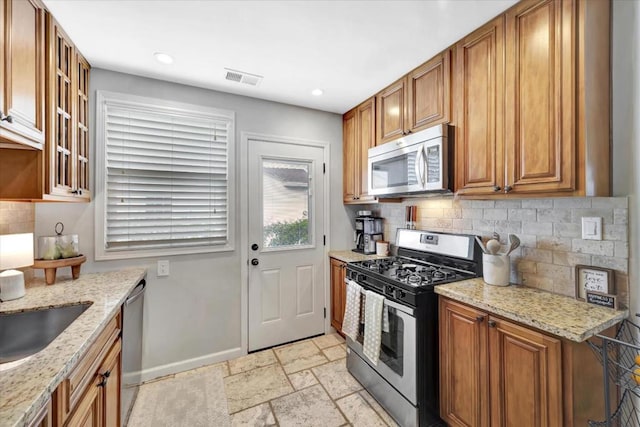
x,y
254,247
255,261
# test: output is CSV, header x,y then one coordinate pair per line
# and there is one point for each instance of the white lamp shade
x,y
16,250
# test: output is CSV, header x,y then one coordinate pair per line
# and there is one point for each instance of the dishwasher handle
x,y
134,296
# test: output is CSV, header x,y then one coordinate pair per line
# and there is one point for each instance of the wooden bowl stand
x,y
51,266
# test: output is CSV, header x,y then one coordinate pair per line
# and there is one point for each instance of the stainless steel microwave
x,y
415,163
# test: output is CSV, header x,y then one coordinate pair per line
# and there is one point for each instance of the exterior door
x,y
286,249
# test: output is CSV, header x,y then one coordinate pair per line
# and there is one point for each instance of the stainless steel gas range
x,y
405,380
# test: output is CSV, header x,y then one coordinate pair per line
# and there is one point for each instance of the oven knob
x,y
360,278
398,294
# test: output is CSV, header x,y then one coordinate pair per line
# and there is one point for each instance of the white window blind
x,y
166,177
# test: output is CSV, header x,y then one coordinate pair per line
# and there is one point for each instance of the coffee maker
x,y
368,232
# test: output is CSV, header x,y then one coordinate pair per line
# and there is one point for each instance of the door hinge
x,y
325,312
324,168
324,240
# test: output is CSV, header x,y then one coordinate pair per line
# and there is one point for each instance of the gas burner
x,y
414,279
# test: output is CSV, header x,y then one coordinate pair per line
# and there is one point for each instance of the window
x,y
162,182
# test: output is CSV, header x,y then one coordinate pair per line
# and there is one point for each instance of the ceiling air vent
x,y
242,77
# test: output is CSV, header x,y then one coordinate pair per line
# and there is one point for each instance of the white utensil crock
x,y
496,269
382,248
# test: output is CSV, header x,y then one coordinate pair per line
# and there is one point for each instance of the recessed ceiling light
x,y
163,58
317,92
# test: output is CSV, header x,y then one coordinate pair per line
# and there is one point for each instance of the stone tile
x,y
452,213
554,215
526,215
554,243
310,407
300,356
572,202
484,225
258,416
379,410
472,213
610,202
256,386
621,216
462,224
508,204
525,266
335,353
621,250
567,230
553,271
442,223
506,227
358,412
618,264
537,281
328,340
538,228
537,204
302,379
606,214
593,247
252,361
539,255
615,232
431,213
571,258
497,214
336,379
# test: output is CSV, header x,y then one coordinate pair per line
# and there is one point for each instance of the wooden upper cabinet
x,y
526,376
420,99
479,91
22,73
67,152
366,138
349,156
464,365
358,129
429,93
540,105
390,112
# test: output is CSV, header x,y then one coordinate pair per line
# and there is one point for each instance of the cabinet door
x,y
464,375
540,106
88,412
60,111
44,417
110,371
349,157
390,112
338,290
22,72
81,125
479,85
366,138
526,372
428,93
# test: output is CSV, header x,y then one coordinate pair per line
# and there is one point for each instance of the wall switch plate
x,y
163,268
592,228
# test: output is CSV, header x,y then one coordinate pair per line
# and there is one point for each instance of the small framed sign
x,y
593,279
604,300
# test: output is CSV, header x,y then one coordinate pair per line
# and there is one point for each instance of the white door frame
x,y
245,139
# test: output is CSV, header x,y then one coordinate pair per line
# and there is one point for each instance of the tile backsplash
x,y
550,231
18,217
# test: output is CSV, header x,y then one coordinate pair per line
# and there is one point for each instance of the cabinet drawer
x,y
72,388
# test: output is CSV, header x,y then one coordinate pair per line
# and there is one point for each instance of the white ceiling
x,y
349,49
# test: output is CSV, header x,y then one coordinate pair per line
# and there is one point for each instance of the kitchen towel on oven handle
x,y
351,321
373,326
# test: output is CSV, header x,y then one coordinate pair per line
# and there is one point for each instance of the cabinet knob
x,y
78,192
508,188
496,188
492,323
479,318
105,379
4,118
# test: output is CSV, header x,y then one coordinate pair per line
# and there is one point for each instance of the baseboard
x,y
185,365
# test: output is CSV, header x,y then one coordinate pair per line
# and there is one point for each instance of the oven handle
x,y
392,304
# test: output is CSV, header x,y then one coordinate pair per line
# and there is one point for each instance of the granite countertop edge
x,y
613,316
27,387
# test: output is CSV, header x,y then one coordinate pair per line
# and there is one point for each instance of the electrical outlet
x,y
163,268
592,228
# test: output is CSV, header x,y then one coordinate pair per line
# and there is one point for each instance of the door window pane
x,y
285,206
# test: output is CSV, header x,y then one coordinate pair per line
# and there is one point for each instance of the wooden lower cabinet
x,y
338,293
44,418
495,372
90,394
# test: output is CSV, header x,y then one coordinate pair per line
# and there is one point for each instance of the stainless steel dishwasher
x,y
132,311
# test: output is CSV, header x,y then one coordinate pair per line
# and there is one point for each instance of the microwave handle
x,y
420,164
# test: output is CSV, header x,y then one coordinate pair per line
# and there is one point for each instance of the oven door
x,y
401,170
397,362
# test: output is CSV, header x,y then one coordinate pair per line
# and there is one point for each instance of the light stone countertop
x,y
24,389
556,314
350,256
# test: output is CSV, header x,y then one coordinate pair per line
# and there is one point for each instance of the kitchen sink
x,y
27,332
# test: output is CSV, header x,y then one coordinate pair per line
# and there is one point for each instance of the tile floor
x,y
300,384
